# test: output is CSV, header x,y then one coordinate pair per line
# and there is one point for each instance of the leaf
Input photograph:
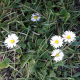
x,y
63,13
35,66
45,56
53,18
42,44
18,50
27,4
52,74
72,79
77,78
45,46
5,63
6,60
49,3
25,57
17,1
65,74
1,78
76,43
39,41
6,2
23,46
40,64
71,56
44,71
67,16
58,64
76,75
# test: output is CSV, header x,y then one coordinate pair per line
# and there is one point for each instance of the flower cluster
x,y
12,39
57,41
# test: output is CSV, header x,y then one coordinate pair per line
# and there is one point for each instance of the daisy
x,y
58,55
69,36
35,17
11,40
56,41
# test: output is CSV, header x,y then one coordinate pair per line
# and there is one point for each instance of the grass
x,y
32,60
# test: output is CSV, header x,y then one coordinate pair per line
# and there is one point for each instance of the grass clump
x,y
35,22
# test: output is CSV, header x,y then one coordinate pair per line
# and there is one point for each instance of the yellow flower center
x,y
56,41
35,17
68,37
12,41
57,55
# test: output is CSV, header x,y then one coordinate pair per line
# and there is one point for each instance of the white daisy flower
x,y
35,17
11,41
56,41
69,36
58,55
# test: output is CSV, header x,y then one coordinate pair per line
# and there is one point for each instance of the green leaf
x,y
77,78
35,66
76,75
39,41
52,74
45,46
71,79
58,64
18,50
6,60
45,55
76,43
44,71
49,3
67,16
27,4
1,77
42,44
63,13
25,57
40,64
5,63
65,74
17,1
23,46
6,2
